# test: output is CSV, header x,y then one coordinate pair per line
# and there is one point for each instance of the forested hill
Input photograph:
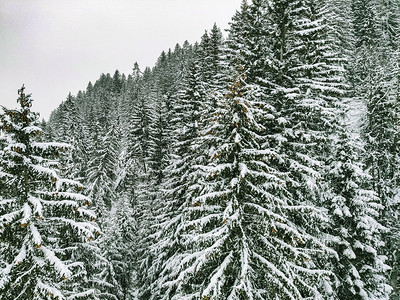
x,y
260,165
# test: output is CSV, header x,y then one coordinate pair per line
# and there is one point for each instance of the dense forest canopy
x,y
260,165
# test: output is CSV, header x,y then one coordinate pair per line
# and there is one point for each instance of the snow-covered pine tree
x,y
42,216
145,157
237,239
75,133
230,235
101,174
118,244
127,171
117,83
141,117
357,234
158,146
180,175
209,63
189,113
215,51
381,134
149,192
375,72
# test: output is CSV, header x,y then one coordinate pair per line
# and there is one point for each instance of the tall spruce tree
x,y
180,173
246,210
42,216
357,233
376,67
102,170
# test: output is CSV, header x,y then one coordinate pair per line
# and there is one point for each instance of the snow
x,y
81,295
215,283
44,171
27,213
37,239
48,290
338,212
21,255
10,217
84,228
56,262
349,253
49,145
37,205
30,129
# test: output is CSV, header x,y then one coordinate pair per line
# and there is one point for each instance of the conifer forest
x,y
261,162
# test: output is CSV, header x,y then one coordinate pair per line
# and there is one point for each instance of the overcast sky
x,y
58,46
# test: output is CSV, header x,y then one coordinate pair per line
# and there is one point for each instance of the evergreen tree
x,y
180,175
230,234
118,243
158,147
248,208
376,67
75,134
102,171
142,119
43,216
358,240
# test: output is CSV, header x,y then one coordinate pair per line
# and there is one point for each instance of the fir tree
x,y
43,216
358,240
102,171
158,146
118,243
180,174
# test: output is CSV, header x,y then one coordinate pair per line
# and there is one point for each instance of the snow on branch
x,y
279,274
51,145
37,239
86,228
45,171
10,217
48,290
27,212
30,129
83,295
199,238
37,205
56,262
21,254
218,278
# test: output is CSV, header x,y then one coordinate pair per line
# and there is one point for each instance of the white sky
x,y
57,46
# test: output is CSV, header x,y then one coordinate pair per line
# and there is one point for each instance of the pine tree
x,y
75,134
102,171
158,146
180,175
128,162
358,240
43,216
381,133
119,241
246,211
229,234
376,69
141,116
